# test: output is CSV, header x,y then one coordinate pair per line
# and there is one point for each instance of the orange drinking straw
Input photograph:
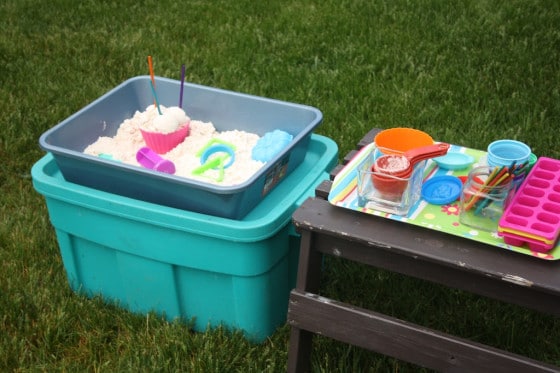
x,y
151,67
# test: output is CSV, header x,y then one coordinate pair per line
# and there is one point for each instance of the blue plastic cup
x,y
507,152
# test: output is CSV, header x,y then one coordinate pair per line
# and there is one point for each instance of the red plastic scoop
x,y
402,165
391,172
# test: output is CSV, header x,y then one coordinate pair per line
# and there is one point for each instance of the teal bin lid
x,y
266,219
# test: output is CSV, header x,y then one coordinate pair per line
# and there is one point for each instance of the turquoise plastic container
x,y
149,257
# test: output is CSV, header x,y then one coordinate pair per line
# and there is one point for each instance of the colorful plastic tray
x,y
442,218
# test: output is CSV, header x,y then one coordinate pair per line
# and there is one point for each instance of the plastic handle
x,y
426,152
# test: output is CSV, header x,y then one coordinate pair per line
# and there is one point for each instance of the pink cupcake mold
x,y
161,143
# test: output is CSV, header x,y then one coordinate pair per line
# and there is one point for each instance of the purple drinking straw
x,y
182,84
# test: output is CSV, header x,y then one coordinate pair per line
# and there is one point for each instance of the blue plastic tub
x,y
227,110
148,257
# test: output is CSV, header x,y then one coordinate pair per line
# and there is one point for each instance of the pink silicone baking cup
x,y
163,142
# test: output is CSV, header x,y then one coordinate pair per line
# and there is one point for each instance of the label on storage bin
x,y
275,174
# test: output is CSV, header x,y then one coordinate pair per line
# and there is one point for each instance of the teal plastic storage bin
x,y
149,257
227,110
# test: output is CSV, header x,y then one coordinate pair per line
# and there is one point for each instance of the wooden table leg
x,y
309,274
299,353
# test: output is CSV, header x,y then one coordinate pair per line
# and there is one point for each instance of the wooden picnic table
x,y
413,251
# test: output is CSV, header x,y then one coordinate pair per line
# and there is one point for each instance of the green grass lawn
x,y
466,72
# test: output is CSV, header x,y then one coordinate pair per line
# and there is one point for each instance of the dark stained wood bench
x,y
418,252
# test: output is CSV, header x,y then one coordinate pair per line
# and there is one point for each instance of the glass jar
x,y
484,197
394,195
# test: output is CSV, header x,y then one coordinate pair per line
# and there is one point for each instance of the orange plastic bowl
x,y
400,139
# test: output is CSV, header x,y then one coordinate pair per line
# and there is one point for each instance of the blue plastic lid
x,y
440,190
454,161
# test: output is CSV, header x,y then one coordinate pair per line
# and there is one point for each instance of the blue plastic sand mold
x,y
270,144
